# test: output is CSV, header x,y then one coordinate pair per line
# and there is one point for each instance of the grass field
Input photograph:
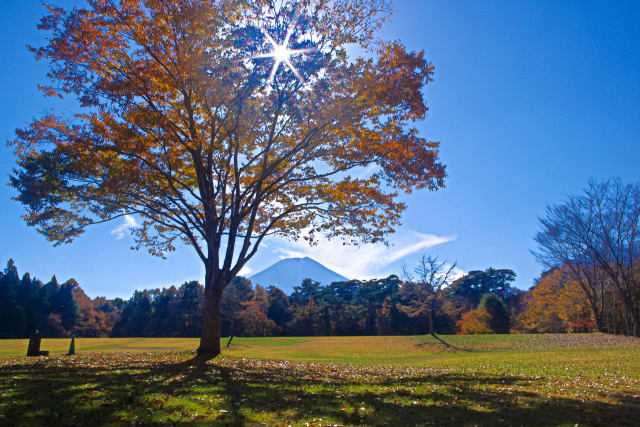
x,y
584,379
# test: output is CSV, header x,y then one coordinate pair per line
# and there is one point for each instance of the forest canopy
x,y
385,306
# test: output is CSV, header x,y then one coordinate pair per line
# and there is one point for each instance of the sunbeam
x,y
281,52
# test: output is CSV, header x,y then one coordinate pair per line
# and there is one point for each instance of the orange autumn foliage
x,y
554,304
90,322
254,319
474,322
187,125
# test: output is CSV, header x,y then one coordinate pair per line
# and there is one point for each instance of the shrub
x,y
475,322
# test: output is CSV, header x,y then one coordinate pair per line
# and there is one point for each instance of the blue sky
x,y
530,100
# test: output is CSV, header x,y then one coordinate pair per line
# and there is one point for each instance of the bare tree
x,y
431,276
595,236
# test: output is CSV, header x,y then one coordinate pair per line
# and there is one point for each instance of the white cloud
x,y
245,271
456,273
122,230
365,261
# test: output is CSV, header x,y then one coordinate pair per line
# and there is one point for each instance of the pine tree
x,y
499,320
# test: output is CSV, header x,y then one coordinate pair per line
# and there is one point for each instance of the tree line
x,y
588,244
388,306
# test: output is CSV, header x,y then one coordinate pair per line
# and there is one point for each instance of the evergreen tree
x,y
305,318
308,289
473,285
279,308
498,313
29,299
136,317
12,315
166,322
234,295
66,306
191,295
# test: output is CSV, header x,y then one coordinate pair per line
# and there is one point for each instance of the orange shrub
x,y
474,322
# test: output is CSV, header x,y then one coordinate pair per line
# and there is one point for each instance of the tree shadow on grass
x,y
134,389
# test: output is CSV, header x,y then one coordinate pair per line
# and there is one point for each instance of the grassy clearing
x,y
9,348
586,379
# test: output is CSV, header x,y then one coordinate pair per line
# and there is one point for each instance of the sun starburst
x,y
281,52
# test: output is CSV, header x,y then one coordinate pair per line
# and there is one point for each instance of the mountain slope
x,y
290,272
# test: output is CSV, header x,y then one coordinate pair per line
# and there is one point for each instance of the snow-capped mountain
x,y
290,272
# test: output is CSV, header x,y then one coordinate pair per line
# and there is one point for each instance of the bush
x,y
475,322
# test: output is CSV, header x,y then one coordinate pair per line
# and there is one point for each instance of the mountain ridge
x,y
290,272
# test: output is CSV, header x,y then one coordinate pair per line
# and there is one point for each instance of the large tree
x,y
220,122
595,238
472,286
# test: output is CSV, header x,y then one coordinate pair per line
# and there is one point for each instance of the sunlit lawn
x,y
511,379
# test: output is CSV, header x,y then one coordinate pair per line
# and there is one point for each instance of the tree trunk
x,y
210,338
432,326
626,318
613,313
597,315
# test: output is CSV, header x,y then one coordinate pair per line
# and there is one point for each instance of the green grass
x,y
584,379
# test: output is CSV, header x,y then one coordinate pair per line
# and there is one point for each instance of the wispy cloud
x,y
245,271
122,230
364,261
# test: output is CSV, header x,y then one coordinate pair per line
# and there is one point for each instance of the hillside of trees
x,y
478,302
376,307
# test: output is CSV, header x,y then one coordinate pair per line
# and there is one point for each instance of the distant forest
x,y
478,302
